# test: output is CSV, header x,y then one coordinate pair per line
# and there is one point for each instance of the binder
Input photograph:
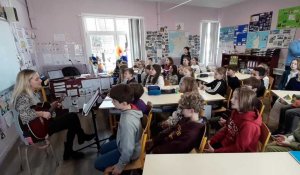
x,y
295,155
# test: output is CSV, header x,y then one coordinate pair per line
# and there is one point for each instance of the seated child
x,y
232,80
186,134
195,66
155,77
266,79
218,86
128,76
242,130
259,73
284,143
188,84
126,147
145,74
172,75
138,91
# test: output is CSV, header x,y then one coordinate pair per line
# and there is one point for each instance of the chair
x,y
202,143
261,107
137,164
268,91
148,126
264,137
227,101
42,145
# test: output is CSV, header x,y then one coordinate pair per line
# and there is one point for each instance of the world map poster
x,y
257,40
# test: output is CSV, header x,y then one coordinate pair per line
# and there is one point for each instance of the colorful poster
x,y
240,35
260,22
257,40
227,34
289,18
281,38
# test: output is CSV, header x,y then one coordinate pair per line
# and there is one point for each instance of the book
x,y
295,155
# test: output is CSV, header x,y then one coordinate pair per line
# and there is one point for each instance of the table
x,y
282,93
163,99
221,164
209,79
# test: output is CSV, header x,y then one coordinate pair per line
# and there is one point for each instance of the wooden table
x,y
221,164
282,93
211,78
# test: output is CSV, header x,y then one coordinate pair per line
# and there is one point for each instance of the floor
x,y
41,164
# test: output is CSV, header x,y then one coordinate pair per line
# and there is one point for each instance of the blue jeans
x,y
109,156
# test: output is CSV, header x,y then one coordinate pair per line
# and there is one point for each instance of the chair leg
x,y
27,161
20,156
54,155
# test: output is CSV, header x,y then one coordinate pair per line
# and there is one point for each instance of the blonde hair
x,y
190,85
221,71
298,63
247,99
22,85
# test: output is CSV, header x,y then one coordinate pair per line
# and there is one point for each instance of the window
x,y
209,32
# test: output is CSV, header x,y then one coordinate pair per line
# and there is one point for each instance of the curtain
x,y
137,39
209,41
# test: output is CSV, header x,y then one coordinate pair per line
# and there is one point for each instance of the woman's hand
x,y
55,104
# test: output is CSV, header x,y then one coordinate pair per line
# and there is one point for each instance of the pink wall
x,y
58,16
240,14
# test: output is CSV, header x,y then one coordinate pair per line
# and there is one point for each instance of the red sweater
x,y
241,134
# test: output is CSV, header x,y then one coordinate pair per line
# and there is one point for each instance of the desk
x,y
209,79
283,93
221,164
163,99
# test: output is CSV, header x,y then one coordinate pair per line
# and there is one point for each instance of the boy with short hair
x,y
128,76
232,80
126,147
259,73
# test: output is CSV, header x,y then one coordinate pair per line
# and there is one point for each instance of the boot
x,y
69,153
84,137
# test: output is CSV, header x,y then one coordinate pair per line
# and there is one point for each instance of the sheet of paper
x,y
72,92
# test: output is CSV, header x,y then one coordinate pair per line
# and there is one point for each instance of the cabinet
x,y
244,61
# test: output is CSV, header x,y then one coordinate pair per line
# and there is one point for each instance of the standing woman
x,y
186,52
24,98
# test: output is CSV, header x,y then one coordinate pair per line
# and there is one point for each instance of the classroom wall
x,y
240,14
56,16
10,132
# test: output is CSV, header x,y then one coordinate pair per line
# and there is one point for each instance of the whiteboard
x,y
9,65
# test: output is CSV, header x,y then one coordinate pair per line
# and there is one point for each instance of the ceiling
x,y
203,3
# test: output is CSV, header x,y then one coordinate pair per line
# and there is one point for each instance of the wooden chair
x,y
262,107
137,164
227,101
147,129
202,143
264,137
268,91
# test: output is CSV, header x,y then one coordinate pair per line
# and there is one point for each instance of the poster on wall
x,y
289,18
281,38
260,22
240,35
227,34
257,40
177,41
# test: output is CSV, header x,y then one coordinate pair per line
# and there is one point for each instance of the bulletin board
x,y
281,38
289,18
260,22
